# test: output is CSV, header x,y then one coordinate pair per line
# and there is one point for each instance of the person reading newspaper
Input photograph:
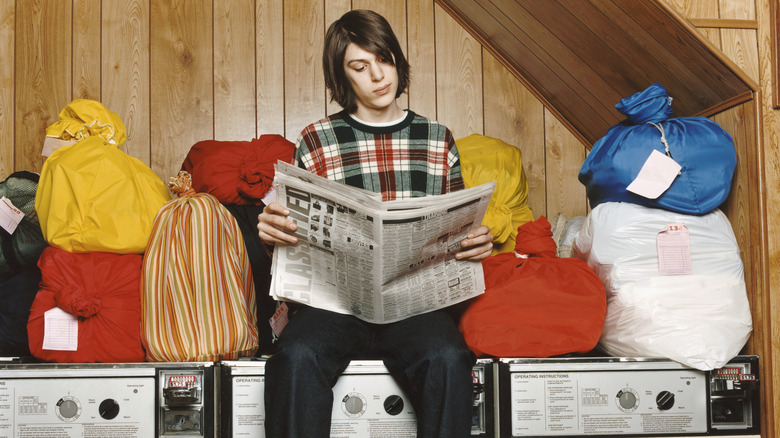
x,y
376,145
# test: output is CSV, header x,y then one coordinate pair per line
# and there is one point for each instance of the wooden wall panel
x,y
234,70
564,157
42,75
181,82
126,71
421,44
7,107
458,78
86,49
269,55
304,86
515,116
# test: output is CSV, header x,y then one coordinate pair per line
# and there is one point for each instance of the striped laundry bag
x,y
197,292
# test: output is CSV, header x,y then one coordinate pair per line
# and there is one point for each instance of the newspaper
x,y
380,261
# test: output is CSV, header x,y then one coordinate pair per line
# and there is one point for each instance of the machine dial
x,y
664,400
353,404
108,409
68,408
627,400
394,404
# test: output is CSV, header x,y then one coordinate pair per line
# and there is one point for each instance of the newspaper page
x,y
380,261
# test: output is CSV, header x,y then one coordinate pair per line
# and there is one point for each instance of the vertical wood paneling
x,y
125,77
515,116
269,55
700,9
7,24
458,77
304,86
182,81
565,154
334,9
42,76
86,49
234,70
421,54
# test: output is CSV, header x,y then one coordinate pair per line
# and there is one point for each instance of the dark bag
x,y
20,250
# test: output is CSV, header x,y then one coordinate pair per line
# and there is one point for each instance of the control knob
x,y
664,400
108,409
394,404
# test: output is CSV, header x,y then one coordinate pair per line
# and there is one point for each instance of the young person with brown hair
x,y
376,145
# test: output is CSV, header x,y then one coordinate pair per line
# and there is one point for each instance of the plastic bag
x,y
535,304
701,320
484,159
94,197
100,291
704,150
20,251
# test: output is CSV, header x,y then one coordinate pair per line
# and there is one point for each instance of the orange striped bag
x,y
197,293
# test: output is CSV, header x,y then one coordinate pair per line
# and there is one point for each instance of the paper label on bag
x,y
674,250
51,144
655,177
60,330
270,196
279,319
10,216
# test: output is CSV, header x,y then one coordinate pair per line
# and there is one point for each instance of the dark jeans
x,y
426,355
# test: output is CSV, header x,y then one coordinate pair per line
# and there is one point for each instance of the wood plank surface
x,y
515,116
86,49
564,155
43,75
421,44
269,67
234,70
459,77
7,105
304,85
181,82
126,71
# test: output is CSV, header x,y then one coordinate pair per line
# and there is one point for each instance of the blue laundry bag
x,y
704,150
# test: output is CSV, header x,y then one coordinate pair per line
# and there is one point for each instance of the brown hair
x,y
370,31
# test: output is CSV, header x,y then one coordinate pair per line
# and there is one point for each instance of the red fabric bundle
x,y
535,304
236,172
102,290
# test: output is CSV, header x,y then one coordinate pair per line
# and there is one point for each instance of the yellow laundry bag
x,y
92,196
484,159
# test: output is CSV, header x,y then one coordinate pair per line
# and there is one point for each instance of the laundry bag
x,y
484,159
702,318
260,261
20,249
91,195
535,304
197,292
16,297
237,172
88,308
699,145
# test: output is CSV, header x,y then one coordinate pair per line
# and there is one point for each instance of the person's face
x,y
374,80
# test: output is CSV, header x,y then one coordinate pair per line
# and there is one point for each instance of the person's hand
x,y
274,228
477,245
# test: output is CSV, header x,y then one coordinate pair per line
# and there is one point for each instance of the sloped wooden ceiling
x,y
581,57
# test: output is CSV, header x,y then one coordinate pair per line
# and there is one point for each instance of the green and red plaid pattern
x,y
415,157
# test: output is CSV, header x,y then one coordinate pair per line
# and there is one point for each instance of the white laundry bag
x,y
701,319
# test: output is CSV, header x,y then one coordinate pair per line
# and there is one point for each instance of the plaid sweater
x,y
415,157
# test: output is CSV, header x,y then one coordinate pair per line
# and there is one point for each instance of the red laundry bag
x,y
535,304
102,291
236,172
